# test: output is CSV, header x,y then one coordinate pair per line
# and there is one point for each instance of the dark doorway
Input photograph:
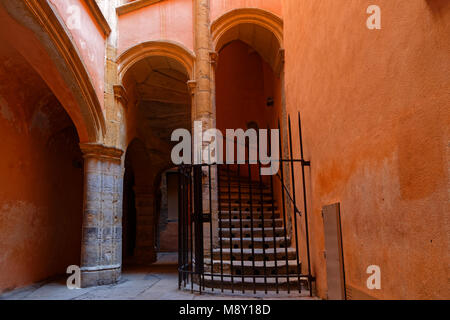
x,y
168,218
129,215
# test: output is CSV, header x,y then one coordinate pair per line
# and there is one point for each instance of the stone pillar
x,y
203,106
145,252
101,250
205,110
284,132
214,57
115,96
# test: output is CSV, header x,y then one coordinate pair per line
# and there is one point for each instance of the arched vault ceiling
x,y
257,37
159,79
163,104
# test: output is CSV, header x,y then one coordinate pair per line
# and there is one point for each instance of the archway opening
x,y
41,185
167,239
246,85
161,103
248,79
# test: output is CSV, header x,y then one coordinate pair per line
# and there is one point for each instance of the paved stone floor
x,y
158,282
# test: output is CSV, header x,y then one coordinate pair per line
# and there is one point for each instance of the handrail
x,y
289,194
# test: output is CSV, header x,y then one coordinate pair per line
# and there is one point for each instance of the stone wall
x,y
375,113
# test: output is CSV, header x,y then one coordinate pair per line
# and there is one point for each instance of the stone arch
x,y
168,49
262,31
258,28
45,43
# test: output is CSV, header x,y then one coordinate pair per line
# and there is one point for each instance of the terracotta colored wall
x,y
41,179
89,40
375,108
220,7
169,20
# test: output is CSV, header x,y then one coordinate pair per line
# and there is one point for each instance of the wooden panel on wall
x,y
334,252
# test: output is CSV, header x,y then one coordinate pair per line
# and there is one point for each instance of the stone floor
x,y
158,282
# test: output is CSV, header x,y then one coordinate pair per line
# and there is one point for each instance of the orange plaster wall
x,y
41,185
40,210
168,20
89,40
376,113
220,7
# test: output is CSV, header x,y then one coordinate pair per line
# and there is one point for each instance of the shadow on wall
x,y
419,172
439,8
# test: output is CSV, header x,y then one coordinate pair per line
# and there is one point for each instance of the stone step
x,y
244,185
247,223
247,207
247,254
225,176
251,268
224,215
246,203
255,203
265,205
225,197
234,176
245,193
257,242
247,232
245,190
259,284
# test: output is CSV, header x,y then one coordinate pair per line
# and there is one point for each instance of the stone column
x,y
145,252
101,251
284,132
213,60
203,106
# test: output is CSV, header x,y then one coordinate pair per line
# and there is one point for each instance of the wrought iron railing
x,y
227,246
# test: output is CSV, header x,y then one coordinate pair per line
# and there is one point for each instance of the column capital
x,y
100,151
121,94
214,57
192,85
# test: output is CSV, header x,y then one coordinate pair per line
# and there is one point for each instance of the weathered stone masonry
x,y
101,255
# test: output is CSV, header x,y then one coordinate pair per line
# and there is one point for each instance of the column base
x,y
100,277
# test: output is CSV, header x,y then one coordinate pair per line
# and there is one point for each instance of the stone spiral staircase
x,y
254,245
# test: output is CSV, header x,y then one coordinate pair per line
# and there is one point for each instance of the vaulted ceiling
x,y
160,79
163,105
25,99
257,37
